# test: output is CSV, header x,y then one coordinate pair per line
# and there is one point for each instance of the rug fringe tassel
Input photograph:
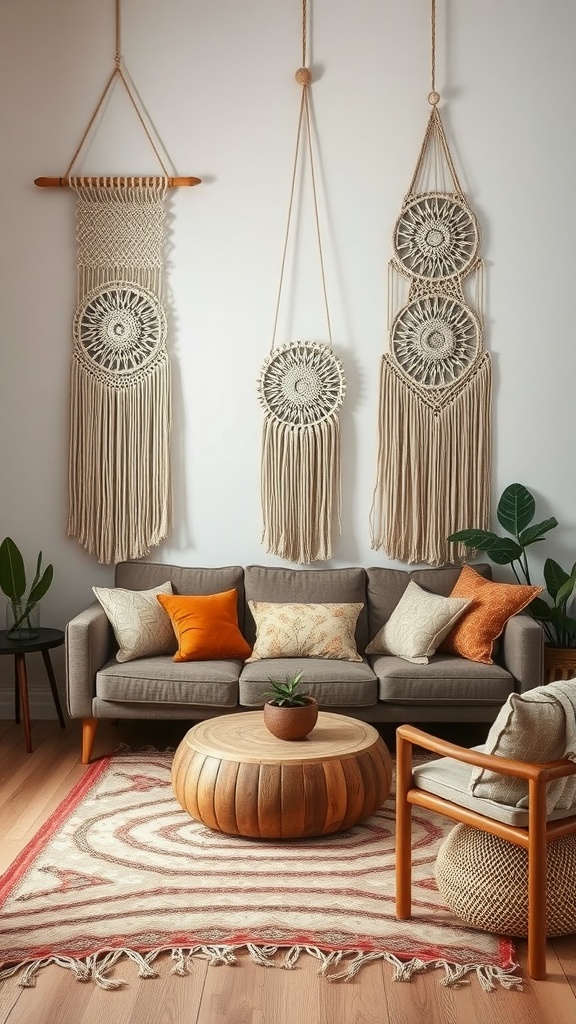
x,y
338,965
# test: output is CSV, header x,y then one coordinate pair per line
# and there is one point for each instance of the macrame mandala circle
x,y
119,329
435,339
302,383
436,237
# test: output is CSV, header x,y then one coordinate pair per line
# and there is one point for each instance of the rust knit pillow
x,y
491,606
206,626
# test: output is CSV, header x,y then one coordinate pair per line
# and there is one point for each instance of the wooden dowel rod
x,y
118,180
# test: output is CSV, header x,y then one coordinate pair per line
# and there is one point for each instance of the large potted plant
x,y
22,612
515,512
288,713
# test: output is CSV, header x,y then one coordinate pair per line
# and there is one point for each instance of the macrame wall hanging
x,y
119,457
301,388
434,446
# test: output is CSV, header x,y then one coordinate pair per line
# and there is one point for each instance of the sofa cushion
x,y
483,621
206,626
307,586
445,680
530,727
386,586
305,630
418,624
332,683
141,626
184,580
160,681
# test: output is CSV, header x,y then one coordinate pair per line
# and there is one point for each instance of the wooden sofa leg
x,y
89,726
403,829
537,881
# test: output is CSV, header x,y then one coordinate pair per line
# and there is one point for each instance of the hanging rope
x,y
301,388
117,73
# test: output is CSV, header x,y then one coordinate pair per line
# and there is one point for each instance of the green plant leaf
x,y
504,550
537,531
12,572
516,508
479,540
554,577
539,610
565,591
37,592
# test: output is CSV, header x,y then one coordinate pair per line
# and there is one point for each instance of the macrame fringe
x,y
300,488
98,967
119,469
433,468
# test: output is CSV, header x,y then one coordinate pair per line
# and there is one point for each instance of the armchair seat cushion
x,y
445,679
450,779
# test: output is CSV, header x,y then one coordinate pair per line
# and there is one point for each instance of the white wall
x,y
217,78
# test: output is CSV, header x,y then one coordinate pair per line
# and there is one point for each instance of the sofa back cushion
x,y
184,580
386,587
307,586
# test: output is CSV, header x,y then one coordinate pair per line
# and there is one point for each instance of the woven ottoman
x,y
484,880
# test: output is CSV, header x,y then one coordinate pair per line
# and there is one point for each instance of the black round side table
x,y
44,642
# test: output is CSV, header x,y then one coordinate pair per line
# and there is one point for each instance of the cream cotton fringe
x,y
433,466
97,967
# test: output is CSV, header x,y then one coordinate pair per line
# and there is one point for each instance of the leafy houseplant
x,y
13,585
288,713
515,513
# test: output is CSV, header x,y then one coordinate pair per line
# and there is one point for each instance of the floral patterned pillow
x,y
305,630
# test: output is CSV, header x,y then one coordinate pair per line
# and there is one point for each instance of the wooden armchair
x,y
534,836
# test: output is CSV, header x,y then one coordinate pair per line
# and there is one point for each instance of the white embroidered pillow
x,y
305,630
141,626
418,625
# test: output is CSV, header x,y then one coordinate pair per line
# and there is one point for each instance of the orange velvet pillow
x,y
206,626
483,621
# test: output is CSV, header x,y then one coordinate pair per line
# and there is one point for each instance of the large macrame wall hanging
x,y
301,388
434,445
119,456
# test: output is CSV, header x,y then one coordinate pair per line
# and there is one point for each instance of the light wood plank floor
x,y
32,785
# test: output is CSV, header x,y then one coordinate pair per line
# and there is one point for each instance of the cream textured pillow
x,y
418,624
140,624
530,726
305,630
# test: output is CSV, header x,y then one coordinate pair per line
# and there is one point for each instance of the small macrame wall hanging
x,y
301,388
119,454
434,417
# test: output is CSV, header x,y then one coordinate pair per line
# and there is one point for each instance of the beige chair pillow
x,y
530,726
418,624
141,626
305,630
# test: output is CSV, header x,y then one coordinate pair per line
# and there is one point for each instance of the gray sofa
x,y
381,688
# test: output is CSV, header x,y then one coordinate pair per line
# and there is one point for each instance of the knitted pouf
x,y
484,880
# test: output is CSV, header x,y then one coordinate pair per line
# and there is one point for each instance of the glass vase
x,y
21,623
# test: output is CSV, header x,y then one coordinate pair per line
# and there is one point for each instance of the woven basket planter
x,y
484,880
559,663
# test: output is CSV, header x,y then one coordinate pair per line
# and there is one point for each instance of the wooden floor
x,y
32,785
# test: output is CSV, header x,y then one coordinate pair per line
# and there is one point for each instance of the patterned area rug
x,y
121,871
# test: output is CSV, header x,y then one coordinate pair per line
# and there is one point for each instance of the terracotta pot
x,y
291,723
559,663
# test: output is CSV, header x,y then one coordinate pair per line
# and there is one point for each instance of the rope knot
x,y
433,98
303,76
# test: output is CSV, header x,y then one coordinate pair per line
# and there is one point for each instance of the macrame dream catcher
x,y
119,458
434,445
301,388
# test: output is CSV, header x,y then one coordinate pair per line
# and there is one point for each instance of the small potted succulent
x,y
22,613
288,713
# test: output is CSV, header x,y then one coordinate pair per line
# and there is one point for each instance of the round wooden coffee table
x,y
234,776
